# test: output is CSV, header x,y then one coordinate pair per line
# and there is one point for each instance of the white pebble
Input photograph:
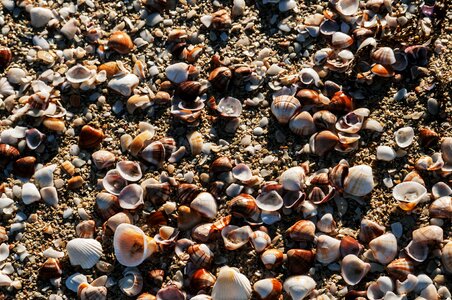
x,y
40,16
385,153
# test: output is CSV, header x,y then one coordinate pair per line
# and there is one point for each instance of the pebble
x,y
433,106
246,140
258,131
40,16
67,213
268,159
397,229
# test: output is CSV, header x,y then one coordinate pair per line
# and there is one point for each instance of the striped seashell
x,y
284,107
231,284
154,153
341,40
84,252
400,268
384,56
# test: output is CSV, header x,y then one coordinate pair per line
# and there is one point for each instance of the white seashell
x,y
103,159
341,40
353,269
430,292
40,16
177,72
351,122
113,182
238,8
270,201
423,281
131,196
206,20
231,284
409,193
299,287
129,170
326,223
384,248
132,282
78,74
286,5
284,107
4,252
302,124
242,172
408,285
385,153
44,176
417,251
205,204
34,138
73,281
5,280
441,189
328,249
196,142
309,76
293,179
30,193
15,75
49,195
84,252
374,125
359,181
230,107
235,237
131,245
52,253
268,288
260,240
404,137
70,29
378,289
124,84
347,7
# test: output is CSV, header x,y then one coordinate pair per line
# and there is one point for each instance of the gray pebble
x,y
433,106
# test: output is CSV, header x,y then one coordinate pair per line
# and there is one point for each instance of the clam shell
x,y
299,287
400,268
140,141
103,159
378,289
446,257
30,193
230,107
117,219
385,153
131,196
384,56
441,208
326,223
369,230
113,182
154,153
88,292
107,205
84,252
205,204
270,201
408,285
428,235
299,261
302,124
384,248
129,170
417,251
120,42
34,138
200,255
231,284
322,142
328,249
347,7
132,282
44,176
78,74
235,237
90,137
242,172
441,189
268,289
284,107
202,280
359,181
293,179
272,258
49,195
446,149
404,137
353,269
409,194
341,40
303,230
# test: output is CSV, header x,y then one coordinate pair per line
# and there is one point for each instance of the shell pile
x,y
225,150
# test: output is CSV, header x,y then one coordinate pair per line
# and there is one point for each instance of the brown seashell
x,y
139,142
68,167
341,40
299,261
427,137
189,90
350,245
284,107
90,137
107,205
202,280
370,230
24,167
220,78
120,42
158,217
340,102
86,229
302,124
220,165
187,218
303,230
221,20
323,142
200,255
5,57
157,193
111,68
441,208
50,269
156,276
54,124
162,98
220,224
75,182
268,289
446,257
244,206
186,192
216,188
400,268
146,296
103,159
324,119
428,235
272,258
382,71
193,54
308,96
137,101
154,153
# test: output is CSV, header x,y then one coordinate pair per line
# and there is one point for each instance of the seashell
x,y
34,138
401,61
193,54
404,137
270,201
103,159
49,195
272,258
328,249
302,124
85,229
353,269
384,56
157,193
30,193
54,124
78,74
350,123
382,71
441,208
235,237
369,230
132,282
430,292
44,176
324,119
8,151
428,235
75,280
131,196
309,76
408,285
385,153
284,107
340,102
5,57
68,167
349,245
196,142
186,192
90,137
322,142
242,173
244,206
202,280
111,68
384,248
326,223
299,287
446,149
229,107
119,218
400,268
303,230
166,235
409,194
221,164
220,20
124,84
107,205
299,261
441,189
200,255
90,292
137,101
268,289
359,181
446,257
205,204
50,269
177,73
341,40
3,234
154,153
113,182
417,251
189,90
293,179
129,170
231,284
347,7
170,292
120,42
260,240
24,167
84,252
132,246
378,289
414,176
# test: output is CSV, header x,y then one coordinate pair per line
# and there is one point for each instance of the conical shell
x,y
299,287
84,252
353,269
231,284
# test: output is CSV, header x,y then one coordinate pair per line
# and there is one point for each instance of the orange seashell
x,y
268,289
427,137
382,71
193,54
299,261
220,78
323,142
146,296
68,167
120,42
400,268
221,20
107,205
111,68
187,218
220,165
341,102
244,206
90,137
5,56
307,96
350,245
50,269
139,142
303,230
86,229
220,224
25,166
272,258
75,182
200,255
54,124
157,218
8,151
202,280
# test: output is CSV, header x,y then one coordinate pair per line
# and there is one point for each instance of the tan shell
x,y
384,248
231,284
359,181
353,269
446,257
284,108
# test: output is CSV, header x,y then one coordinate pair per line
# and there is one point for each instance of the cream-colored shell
x,y
84,252
231,285
359,181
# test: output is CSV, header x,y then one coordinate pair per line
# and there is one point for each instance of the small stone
x,y
397,229
40,16
433,106
258,131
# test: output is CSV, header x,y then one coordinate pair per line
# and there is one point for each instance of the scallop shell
x,y
113,182
404,137
284,108
293,179
268,289
129,170
231,284
30,193
205,204
353,269
359,181
299,287
384,56
400,268
132,282
328,249
384,248
131,196
409,194
84,252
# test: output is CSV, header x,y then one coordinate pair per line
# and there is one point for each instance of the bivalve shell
x,y
284,107
113,182
120,42
231,284
384,56
446,257
409,194
84,252
353,269
235,237
131,196
90,137
359,181
299,261
341,40
384,248
268,289
293,179
103,159
129,170
205,204
30,193
299,287
404,137
328,249
260,240
303,230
